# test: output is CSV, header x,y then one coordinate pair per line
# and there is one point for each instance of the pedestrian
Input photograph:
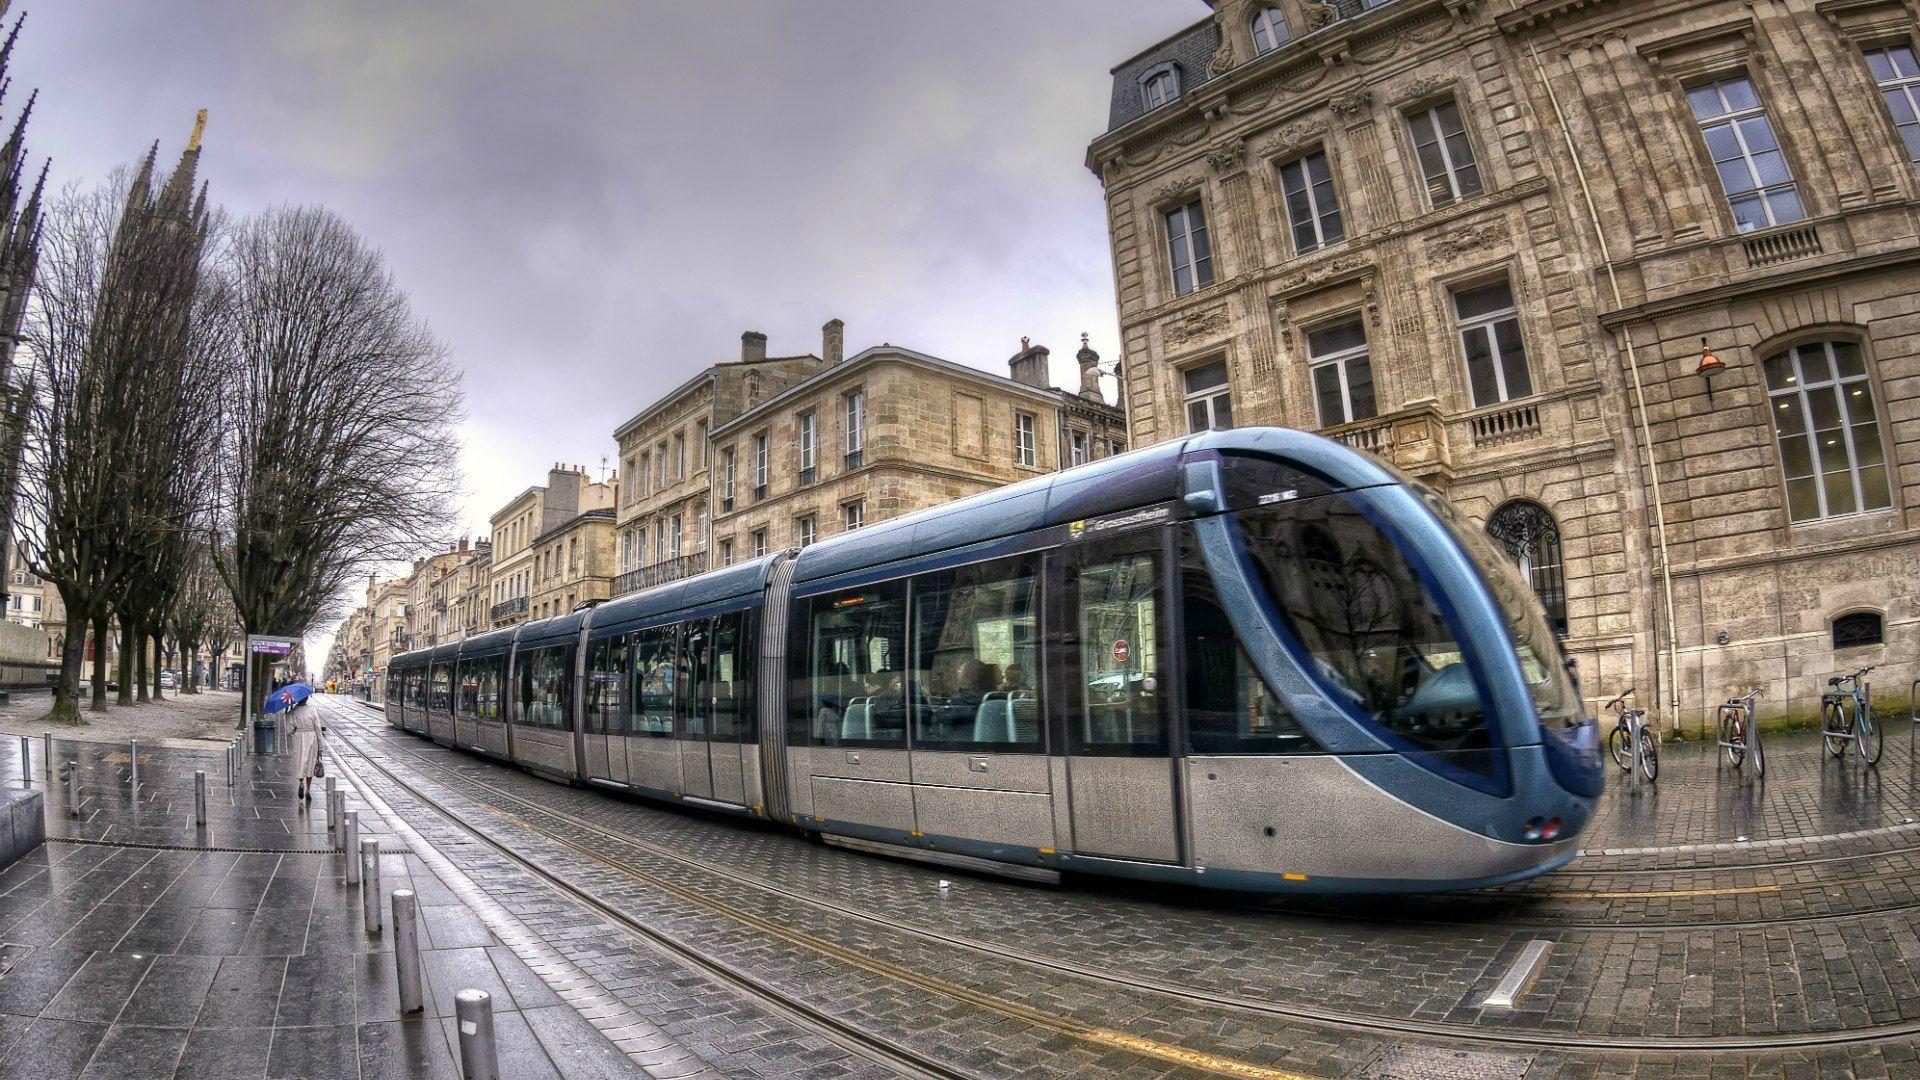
x,y
305,722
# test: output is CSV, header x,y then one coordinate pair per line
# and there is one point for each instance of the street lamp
x,y
1710,365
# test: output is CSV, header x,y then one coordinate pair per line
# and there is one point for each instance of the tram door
x,y
1112,618
694,716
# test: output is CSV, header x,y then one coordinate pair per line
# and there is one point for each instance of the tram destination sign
x,y
262,645
1131,519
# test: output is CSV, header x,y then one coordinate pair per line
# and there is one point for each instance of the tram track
x,y
1385,1027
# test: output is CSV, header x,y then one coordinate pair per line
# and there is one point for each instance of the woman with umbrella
x,y
304,725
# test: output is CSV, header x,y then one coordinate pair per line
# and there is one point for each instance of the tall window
x,y
700,432
1269,29
1342,374
660,465
1752,170
1079,449
639,546
759,543
727,478
1023,440
1829,431
1159,88
660,544
856,428
646,472
1209,401
809,445
1446,155
853,515
1313,206
679,457
760,466
673,537
805,528
1490,336
1898,73
1188,250
726,553
1526,530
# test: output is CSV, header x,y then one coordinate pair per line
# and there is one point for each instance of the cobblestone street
x,y
1713,927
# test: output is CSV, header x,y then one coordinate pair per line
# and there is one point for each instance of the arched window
x,y
1828,430
1857,629
1269,29
1528,533
1159,86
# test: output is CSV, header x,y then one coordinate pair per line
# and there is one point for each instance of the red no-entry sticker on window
x,y
1121,652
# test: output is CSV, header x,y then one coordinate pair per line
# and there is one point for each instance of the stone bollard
x,y
73,789
26,761
370,883
200,798
351,845
479,1060
230,763
406,951
333,806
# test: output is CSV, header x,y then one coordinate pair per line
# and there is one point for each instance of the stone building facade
x,y
520,565
575,561
1632,282
666,459
891,431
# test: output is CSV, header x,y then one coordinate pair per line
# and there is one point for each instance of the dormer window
x,y
1269,29
1160,86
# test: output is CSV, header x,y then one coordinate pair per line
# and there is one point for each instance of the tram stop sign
x,y
1121,651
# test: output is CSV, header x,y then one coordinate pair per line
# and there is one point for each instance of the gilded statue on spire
x,y
199,129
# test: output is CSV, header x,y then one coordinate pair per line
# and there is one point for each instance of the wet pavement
x,y
1715,926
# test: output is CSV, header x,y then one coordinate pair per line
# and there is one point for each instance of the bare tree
x,y
198,614
340,450
118,278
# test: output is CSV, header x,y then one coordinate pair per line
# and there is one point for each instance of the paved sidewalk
x,y
210,715
134,944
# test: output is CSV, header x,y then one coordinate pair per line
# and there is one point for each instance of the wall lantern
x,y
1710,365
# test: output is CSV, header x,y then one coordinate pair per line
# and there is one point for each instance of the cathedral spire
x,y
177,197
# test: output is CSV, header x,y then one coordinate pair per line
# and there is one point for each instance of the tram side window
x,y
493,673
441,697
1230,707
653,683
849,682
976,659
1116,704
730,673
606,681
417,688
1374,634
467,680
691,677
543,689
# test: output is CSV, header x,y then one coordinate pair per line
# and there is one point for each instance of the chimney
x,y
1089,371
1029,365
753,345
833,342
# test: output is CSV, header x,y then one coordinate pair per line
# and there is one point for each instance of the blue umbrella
x,y
287,697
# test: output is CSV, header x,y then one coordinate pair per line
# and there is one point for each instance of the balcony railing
x,y
660,573
507,609
1412,439
1782,245
1502,426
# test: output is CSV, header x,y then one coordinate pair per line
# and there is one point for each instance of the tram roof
x,y
713,587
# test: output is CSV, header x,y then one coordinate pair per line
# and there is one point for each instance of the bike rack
x,y
1751,750
1636,725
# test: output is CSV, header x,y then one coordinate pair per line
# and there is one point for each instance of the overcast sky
x,y
589,200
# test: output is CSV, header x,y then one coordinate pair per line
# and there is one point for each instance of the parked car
x,y
167,681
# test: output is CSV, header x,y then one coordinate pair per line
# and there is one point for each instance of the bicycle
x,y
1620,739
1844,710
1739,735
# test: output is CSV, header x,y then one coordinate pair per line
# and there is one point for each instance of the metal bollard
x,y
370,882
229,763
200,798
133,761
352,845
333,806
47,756
406,951
26,761
479,1059
73,789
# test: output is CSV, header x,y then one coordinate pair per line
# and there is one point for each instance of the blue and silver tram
x,y
1249,659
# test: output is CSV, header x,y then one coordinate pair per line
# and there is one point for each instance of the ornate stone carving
x,y
1305,80
1352,104
1318,14
1424,87
1324,272
1170,190
1199,325
1292,137
1227,155
1467,238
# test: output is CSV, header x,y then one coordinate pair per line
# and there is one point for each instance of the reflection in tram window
x,y
976,659
730,680
852,686
467,702
692,674
653,683
417,688
1114,606
1230,707
543,688
491,678
1372,631
441,696
606,678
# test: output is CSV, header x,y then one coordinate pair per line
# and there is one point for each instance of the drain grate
x,y
1441,1063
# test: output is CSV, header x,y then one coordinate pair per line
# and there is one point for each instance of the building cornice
x,y
1797,278
605,514
676,394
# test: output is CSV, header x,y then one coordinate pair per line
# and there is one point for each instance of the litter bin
x,y
263,737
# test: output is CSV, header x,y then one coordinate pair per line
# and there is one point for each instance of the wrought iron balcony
x,y
660,573
507,609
